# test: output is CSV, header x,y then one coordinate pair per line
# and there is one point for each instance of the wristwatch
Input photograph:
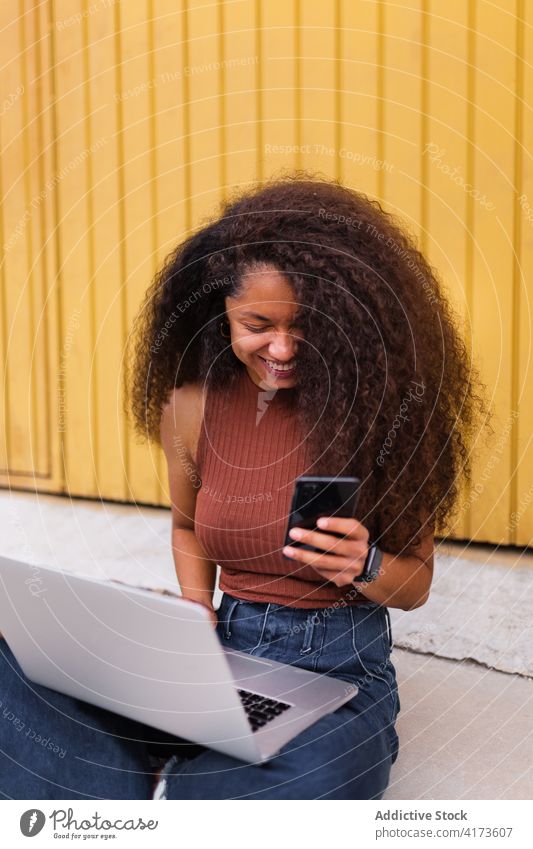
x,y
372,565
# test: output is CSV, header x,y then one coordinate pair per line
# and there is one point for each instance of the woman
x,y
300,332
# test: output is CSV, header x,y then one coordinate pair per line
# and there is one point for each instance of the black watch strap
x,y
372,565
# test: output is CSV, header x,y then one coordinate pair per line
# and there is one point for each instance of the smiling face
x,y
264,335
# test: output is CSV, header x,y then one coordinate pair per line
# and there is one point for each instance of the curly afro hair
x,y
386,380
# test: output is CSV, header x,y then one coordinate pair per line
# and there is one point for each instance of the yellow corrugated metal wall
x,y
121,125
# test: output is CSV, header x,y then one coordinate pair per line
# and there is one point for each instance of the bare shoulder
x,y
182,417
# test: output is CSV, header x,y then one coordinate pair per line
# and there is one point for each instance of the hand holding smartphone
x,y
321,495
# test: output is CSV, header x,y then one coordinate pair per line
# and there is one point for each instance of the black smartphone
x,y
320,495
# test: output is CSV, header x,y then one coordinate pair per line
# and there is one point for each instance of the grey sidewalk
x,y
466,732
466,729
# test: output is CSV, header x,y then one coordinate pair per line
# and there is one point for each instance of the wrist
x,y
204,597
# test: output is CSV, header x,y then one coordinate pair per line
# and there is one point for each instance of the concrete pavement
x,y
465,726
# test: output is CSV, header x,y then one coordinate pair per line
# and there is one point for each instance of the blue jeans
x,y
56,747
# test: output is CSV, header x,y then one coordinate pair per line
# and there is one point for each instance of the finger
x,y
333,576
351,527
327,542
333,562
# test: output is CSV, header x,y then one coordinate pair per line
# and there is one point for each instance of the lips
x,y
278,372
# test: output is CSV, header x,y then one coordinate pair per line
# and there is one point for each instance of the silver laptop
x,y
156,658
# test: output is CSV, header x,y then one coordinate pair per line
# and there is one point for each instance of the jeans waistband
x,y
306,614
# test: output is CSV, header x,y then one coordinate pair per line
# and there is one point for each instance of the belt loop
x,y
389,626
227,632
308,636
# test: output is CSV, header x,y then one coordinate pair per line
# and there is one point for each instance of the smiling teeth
x,y
287,367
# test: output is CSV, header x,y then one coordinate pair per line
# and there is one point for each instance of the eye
x,y
255,329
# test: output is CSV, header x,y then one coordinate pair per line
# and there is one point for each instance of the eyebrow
x,y
250,314
256,315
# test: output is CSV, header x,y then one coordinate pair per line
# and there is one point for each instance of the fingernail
x,y
322,522
295,533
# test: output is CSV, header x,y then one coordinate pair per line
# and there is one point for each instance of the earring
x,y
222,325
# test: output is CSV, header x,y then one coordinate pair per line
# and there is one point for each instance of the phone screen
x,y
316,496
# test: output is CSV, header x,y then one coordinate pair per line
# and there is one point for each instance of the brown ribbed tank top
x,y
249,454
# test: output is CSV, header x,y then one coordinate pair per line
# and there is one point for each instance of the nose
x,y
283,347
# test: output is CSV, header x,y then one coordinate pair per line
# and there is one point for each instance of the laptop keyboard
x,y
260,709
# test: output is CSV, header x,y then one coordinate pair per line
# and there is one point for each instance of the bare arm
x,y
195,571
404,581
